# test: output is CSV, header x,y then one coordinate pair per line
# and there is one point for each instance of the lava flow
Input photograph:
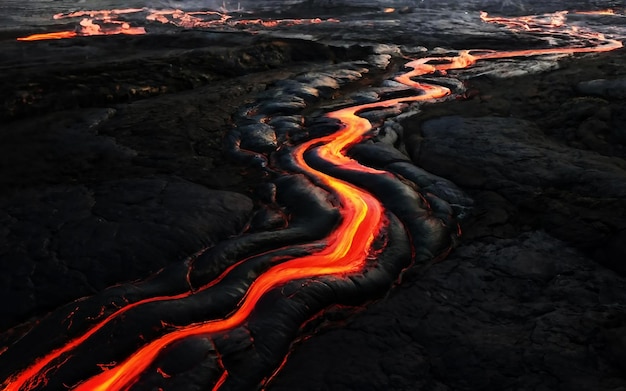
x,y
347,251
92,23
110,22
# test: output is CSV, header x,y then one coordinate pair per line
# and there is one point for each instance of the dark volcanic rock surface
x,y
527,313
577,195
91,197
66,241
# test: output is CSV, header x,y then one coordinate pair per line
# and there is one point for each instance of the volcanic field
x,y
343,195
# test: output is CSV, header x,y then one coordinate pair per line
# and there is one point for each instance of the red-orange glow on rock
x,y
550,24
197,19
89,28
599,12
102,14
346,252
107,22
162,373
347,247
208,19
220,381
36,373
44,36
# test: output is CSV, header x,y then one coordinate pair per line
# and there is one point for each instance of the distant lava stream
x,y
111,22
226,318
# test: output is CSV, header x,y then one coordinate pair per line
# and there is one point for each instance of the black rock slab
x,y
577,195
82,239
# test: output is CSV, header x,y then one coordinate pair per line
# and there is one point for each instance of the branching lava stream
x,y
348,248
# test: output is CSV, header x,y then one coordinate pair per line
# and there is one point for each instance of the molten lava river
x,y
228,317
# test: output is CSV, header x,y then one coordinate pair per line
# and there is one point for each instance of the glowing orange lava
x,y
44,36
600,12
348,246
89,28
108,22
